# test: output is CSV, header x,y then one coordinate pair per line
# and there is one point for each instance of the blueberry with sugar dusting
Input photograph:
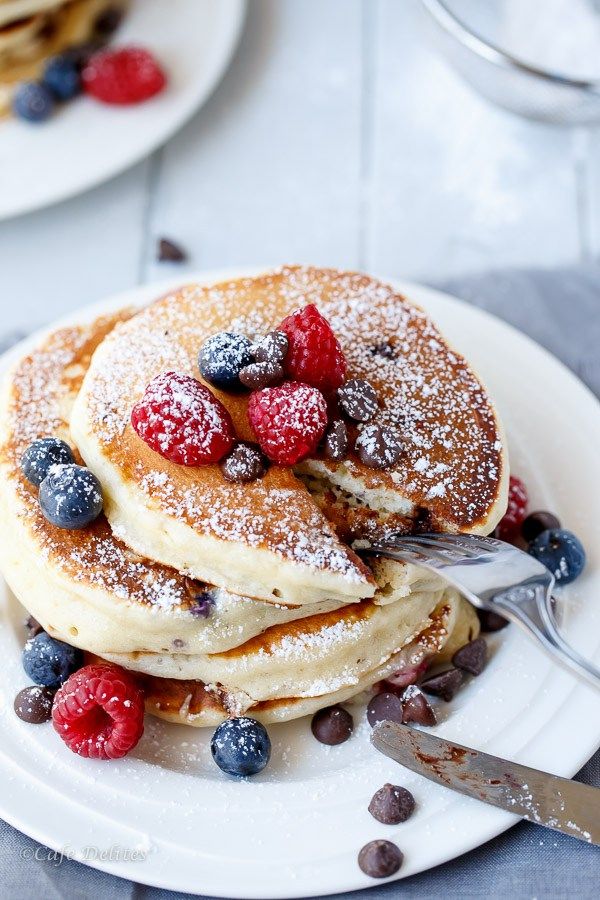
x,y
472,657
42,455
245,463
385,706
70,496
241,746
259,375
379,446
380,859
392,804
561,552
62,77
222,358
273,347
358,400
335,444
332,725
536,522
34,704
415,707
33,102
444,685
49,662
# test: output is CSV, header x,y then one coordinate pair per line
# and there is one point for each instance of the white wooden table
x,y
336,137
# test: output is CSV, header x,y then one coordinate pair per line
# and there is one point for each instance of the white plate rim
x,y
493,821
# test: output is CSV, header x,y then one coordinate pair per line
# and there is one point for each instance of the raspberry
x,y
515,514
314,355
128,75
179,418
99,712
289,421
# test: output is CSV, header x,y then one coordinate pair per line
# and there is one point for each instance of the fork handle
x,y
536,616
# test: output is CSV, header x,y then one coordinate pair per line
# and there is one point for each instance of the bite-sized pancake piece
x,y
269,538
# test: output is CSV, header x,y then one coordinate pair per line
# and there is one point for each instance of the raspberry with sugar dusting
x,y
99,712
124,76
314,354
516,511
289,421
182,420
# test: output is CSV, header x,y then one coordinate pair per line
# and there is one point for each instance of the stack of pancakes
x,y
248,598
33,30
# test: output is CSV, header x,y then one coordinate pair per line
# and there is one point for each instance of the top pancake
x,y
268,539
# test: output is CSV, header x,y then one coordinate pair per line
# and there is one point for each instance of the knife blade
x,y
539,797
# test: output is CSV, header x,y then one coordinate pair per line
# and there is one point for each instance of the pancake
x,y
86,587
194,702
275,539
31,31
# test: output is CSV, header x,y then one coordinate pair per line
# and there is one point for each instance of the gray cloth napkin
x,y
561,310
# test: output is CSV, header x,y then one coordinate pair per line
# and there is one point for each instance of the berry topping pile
x,y
314,354
124,76
289,421
182,420
99,712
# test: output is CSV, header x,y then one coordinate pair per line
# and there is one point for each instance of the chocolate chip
x,y
384,349
379,446
491,621
472,657
33,627
384,706
415,707
536,522
108,21
245,463
170,252
335,445
332,725
358,399
273,346
261,374
444,685
380,859
34,704
392,804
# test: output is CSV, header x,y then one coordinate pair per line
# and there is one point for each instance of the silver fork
x,y
494,576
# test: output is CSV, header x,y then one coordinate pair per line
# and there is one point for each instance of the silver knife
x,y
539,797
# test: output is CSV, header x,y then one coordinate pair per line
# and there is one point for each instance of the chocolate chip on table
x,y
273,346
536,522
380,859
34,704
33,627
415,707
245,463
335,445
261,374
332,725
472,657
358,400
491,621
392,804
108,21
168,251
385,706
379,446
444,685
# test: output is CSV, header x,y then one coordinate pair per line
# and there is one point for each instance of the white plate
x,y
87,142
296,829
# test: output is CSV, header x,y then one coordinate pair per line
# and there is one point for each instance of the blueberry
x,y
49,662
62,77
33,102
561,552
241,746
222,357
41,455
70,496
